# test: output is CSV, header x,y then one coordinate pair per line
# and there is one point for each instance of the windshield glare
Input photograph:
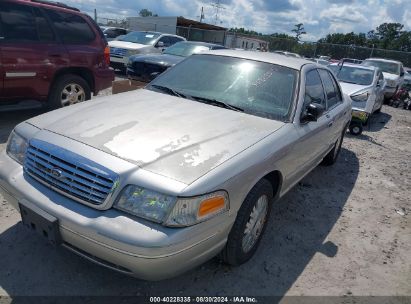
x,y
353,75
259,88
184,49
387,67
146,38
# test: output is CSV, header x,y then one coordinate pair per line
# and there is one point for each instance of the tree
x,y
299,30
388,33
147,13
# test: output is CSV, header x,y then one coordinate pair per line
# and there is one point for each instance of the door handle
x,y
330,123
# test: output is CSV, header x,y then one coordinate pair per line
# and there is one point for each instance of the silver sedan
x,y
154,182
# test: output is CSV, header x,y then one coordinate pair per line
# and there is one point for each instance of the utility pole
x,y
202,14
217,5
95,14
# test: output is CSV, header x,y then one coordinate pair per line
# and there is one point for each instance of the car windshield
x,y
351,74
387,67
146,38
185,49
256,88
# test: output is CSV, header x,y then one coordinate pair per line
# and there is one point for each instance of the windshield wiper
x,y
216,103
168,90
347,81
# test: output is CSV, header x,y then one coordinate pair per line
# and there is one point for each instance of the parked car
x,y
393,73
156,181
111,33
139,43
147,67
50,52
289,54
351,60
365,85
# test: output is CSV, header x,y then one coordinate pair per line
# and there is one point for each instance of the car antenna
x,y
341,64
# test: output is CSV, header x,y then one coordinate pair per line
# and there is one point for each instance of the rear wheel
x,y
68,90
249,225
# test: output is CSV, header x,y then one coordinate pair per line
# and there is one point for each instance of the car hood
x,y
126,45
390,76
162,59
351,88
174,137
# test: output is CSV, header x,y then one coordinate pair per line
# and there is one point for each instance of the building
x,y
190,29
241,41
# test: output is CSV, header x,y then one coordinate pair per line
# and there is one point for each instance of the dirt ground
x,y
344,230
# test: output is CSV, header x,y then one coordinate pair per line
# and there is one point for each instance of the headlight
x,y
360,97
190,211
16,147
132,52
391,83
170,210
145,203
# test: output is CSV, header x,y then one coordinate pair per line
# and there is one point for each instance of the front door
x,y
313,136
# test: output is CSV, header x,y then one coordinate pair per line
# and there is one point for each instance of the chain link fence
x,y
334,51
256,42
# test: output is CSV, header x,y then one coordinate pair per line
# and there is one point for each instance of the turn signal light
x,y
211,205
107,55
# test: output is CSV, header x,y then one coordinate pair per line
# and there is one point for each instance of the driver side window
x,y
314,91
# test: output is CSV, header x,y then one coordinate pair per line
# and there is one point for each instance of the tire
x,y
356,129
60,92
378,110
240,246
332,156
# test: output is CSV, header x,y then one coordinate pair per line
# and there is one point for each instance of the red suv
x,y
50,52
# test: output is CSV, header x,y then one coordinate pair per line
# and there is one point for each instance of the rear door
x,y
334,107
1,64
78,37
30,52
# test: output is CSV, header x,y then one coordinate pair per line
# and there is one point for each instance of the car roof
x,y
278,59
156,33
51,5
384,60
201,43
353,65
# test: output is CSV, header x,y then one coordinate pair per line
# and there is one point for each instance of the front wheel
x,y
249,226
356,129
68,90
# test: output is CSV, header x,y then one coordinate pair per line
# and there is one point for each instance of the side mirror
x,y
402,74
313,112
160,44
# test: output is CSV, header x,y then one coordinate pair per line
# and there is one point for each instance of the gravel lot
x,y
344,230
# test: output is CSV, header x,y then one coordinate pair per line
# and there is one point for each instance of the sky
x,y
319,17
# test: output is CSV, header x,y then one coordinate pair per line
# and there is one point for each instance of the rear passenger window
x,y
314,92
45,33
72,29
18,22
331,89
174,40
165,40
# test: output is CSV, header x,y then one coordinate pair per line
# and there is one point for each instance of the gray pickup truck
x,y
154,182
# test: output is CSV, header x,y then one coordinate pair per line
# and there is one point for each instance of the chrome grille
x,y
68,173
119,52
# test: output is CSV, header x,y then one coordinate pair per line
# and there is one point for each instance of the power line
x,y
217,5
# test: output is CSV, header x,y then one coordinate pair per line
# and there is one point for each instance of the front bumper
x,y
390,91
103,79
114,239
